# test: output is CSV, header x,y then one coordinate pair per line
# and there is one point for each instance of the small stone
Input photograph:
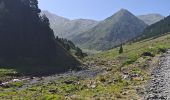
x,y
93,86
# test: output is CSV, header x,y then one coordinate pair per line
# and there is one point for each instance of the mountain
x,y
66,28
151,18
27,42
113,31
70,47
156,29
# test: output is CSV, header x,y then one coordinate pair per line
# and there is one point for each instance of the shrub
x,y
148,54
162,50
129,61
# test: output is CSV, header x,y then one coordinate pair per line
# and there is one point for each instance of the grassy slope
x,y
108,85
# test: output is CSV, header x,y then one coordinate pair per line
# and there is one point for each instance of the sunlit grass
x,y
109,85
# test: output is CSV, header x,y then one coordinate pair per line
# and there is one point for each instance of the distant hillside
x,y
113,31
66,28
70,47
151,18
157,29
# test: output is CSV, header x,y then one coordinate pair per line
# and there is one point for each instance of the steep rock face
x,y
151,18
113,31
66,28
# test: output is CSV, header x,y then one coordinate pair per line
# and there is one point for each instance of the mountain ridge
x,y
80,28
66,28
157,29
111,31
151,18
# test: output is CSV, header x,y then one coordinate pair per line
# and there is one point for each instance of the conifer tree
x,y
121,49
24,33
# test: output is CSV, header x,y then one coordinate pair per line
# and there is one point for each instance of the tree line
x,y
70,46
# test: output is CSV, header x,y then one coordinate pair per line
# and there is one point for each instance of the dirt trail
x,y
159,88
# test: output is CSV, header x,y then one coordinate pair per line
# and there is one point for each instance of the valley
x,y
111,76
43,56
102,35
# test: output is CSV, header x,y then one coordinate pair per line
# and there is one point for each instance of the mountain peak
x,y
115,30
121,14
124,12
67,28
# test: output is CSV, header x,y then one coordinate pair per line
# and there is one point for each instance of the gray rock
x,y
159,87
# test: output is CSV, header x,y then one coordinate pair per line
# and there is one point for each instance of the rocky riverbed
x,y
159,87
28,81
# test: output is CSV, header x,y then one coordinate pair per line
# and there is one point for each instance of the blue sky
x,y
101,9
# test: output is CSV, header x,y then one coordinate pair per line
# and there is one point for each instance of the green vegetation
x,y
134,62
70,47
121,49
123,72
156,29
7,74
114,30
27,42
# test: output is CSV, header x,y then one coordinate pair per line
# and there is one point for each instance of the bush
x,y
148,54
51,97
162,50
129,61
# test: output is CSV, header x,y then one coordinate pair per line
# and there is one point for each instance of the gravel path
x,y
159,88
